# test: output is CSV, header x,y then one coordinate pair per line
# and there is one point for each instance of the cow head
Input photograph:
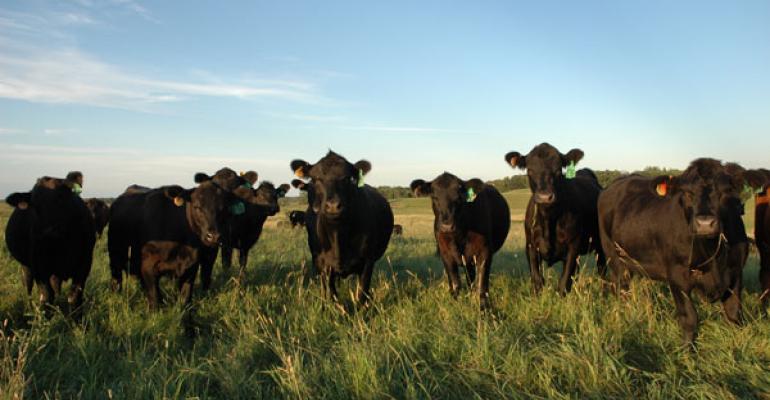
x,y
101,213
450,196
267,195
544,169
335,182
705,190
51,202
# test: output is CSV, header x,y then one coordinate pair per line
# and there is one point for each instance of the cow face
x,y
704,189
267,195
52,204
450,196
544,169
335,181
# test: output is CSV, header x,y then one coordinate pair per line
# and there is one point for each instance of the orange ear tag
x,y
298,172
178,201
662,189
762,199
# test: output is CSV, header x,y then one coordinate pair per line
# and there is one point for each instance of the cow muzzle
x,y
211,239
446,228
542,197
706,225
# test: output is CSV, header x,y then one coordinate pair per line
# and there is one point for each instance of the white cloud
x,y
58,131
9,131
401,129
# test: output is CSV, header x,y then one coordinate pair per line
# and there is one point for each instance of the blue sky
x,y
130,91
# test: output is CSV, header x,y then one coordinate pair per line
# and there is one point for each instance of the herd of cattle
x,y
685,230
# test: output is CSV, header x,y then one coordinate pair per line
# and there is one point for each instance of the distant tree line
x,y
520,181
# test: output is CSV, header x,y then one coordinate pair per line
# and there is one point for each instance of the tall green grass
x,y
273,337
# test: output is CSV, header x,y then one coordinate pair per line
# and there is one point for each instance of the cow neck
x,y
190,220
333,237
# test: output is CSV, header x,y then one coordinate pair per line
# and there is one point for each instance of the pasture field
x,y
275,338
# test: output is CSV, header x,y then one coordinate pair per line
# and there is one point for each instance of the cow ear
x,y
283,189
572,157
19,200
200,177
301,168
516,160
363,166
663,185
420,188
298,184
177,194
473,188
250,176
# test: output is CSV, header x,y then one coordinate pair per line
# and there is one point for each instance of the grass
x,y
278,339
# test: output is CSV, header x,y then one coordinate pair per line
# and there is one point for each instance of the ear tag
x,y
761,198
238,208
22,206
662,189
570,174
76,188
247,185
471,196
178,201
360,178
298,172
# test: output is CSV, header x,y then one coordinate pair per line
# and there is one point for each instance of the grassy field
x,y
277,338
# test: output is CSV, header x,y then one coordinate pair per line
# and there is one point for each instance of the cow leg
x,y
453,276
151,283
364,280
243,259
185,284
26,274
484,270
331,289
570,265
75,297
227,256
534,269
46,292
207,259
686,315
732,304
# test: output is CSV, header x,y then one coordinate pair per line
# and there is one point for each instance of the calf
x,y
297,218
101,213
311,218
51,233
471,223
191,217
354,221
244,229
561,214
685,230
160,258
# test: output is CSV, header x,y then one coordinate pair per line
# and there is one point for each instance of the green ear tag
x,y
360,178
471,195
570,174
77,189
238,208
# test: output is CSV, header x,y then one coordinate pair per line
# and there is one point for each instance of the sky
x,y
131,91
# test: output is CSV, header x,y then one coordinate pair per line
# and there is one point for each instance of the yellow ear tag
x,y
298,172
22,206
178,201
662,189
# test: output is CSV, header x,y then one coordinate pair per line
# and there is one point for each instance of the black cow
x,y
311,219
471,223
244,227
560,222
354,221
191,217
51,233
684,230
297,218
100,210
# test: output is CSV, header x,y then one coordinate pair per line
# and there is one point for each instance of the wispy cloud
x,y
42,64
58,131
10,131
